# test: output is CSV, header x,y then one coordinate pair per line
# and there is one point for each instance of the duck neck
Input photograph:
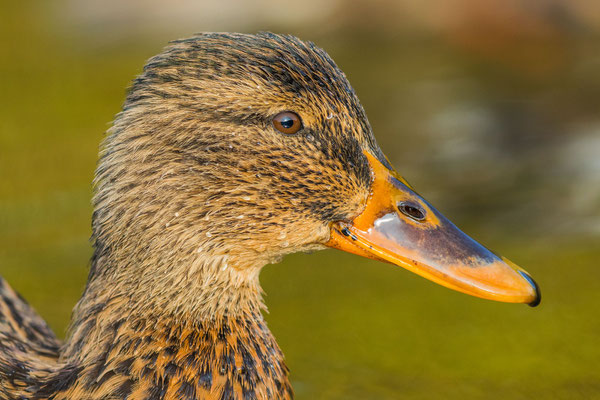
x,y
160,341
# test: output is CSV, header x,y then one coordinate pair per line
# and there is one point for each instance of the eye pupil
x,y
412,211
287,122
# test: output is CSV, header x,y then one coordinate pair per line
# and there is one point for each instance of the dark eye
x,y
412,211
287,122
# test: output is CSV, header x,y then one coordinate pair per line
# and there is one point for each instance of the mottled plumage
x,y
195,191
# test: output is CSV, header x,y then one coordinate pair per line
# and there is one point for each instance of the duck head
x,y
233,150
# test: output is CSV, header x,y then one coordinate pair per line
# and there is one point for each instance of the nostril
x,y
412,211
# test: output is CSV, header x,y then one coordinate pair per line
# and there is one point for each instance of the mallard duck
x,y
231,151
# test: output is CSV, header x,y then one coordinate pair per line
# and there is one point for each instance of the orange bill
x,y
398,226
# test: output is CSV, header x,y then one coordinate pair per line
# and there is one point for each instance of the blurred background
x,y
491,109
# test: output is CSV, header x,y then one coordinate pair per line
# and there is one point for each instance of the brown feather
x,y
195,192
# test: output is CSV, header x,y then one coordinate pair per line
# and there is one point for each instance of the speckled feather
x,y
195,192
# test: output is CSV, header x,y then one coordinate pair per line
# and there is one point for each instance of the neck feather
x,y
183,284
224,357
199,337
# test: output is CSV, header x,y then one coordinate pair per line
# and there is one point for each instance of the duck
x,y
230,152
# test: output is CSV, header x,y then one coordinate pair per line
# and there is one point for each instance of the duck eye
x,y
412,211
287,122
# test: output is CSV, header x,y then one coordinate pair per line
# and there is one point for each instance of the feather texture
x,y
195,192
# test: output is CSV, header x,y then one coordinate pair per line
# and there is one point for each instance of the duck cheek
x,y
307,236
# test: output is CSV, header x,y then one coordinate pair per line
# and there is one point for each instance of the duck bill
x,y
398,226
